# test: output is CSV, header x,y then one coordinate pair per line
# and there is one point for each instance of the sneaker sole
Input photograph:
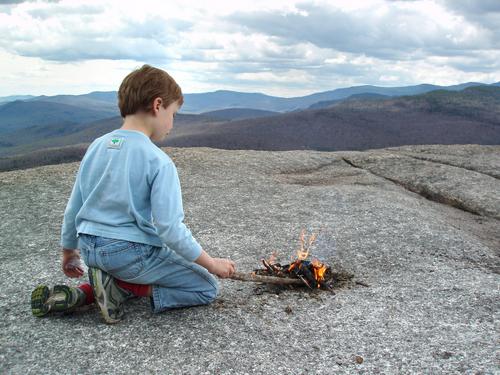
x,y
39,298
100,295
43,300
60,299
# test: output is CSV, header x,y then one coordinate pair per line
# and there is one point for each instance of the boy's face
x,y
164,121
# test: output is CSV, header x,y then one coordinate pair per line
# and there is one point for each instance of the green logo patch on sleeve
x,y
115,142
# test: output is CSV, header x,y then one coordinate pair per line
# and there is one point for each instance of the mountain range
x,y
223,99
353,118
437,117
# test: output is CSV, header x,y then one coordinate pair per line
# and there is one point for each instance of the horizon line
x,y
262,93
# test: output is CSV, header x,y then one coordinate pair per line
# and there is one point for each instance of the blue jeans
x,y
175,281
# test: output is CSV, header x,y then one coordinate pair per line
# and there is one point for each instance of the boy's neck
x,y
137,122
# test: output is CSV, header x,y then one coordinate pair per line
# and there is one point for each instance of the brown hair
x,y
138,90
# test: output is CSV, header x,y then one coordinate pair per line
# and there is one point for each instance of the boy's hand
x,y
217,266
223,267
71,263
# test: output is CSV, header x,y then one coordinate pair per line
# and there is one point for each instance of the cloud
x,y
90,49
282,47
11,2
473,6
68,32
383,30
484,14
43,12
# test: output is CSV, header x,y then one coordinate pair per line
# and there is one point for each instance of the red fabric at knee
x,y
138,290
89,294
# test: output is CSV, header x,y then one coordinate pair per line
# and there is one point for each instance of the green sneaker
x,y
61,298
108,295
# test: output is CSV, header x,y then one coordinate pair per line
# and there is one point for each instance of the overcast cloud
x,y
285,48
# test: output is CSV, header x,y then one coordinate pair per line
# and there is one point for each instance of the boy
x,y
125,215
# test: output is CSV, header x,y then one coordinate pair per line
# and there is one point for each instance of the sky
x,y
277,47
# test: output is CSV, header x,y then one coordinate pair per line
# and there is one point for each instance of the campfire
x,y
313,273
302,270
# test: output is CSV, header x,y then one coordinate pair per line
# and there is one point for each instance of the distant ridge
x,y
223,99
39,137
239,113
97,100
364,96
204,102
12,98
20,114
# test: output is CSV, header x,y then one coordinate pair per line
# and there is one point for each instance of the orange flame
x,y
303,252
319,270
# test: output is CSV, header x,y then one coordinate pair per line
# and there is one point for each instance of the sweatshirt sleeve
x,y
68,230
168,213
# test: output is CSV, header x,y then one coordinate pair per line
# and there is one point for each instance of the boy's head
x,y
139,89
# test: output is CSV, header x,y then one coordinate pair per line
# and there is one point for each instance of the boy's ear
x,y
157,102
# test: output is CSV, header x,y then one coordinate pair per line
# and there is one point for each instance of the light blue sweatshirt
x,y
127,188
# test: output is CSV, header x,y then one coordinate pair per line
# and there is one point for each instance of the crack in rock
x,y
422,190
310,170
450,164
317,176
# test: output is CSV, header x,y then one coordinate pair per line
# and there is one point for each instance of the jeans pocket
x,y
106,241
122,259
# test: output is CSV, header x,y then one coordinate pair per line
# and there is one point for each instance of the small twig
x,y
271,267
305,281
276,269
268,266
362,283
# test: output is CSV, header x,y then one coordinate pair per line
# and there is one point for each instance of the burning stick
x,y
266,279
305,281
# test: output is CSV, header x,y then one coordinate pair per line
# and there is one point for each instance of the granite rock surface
x,y
417,226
